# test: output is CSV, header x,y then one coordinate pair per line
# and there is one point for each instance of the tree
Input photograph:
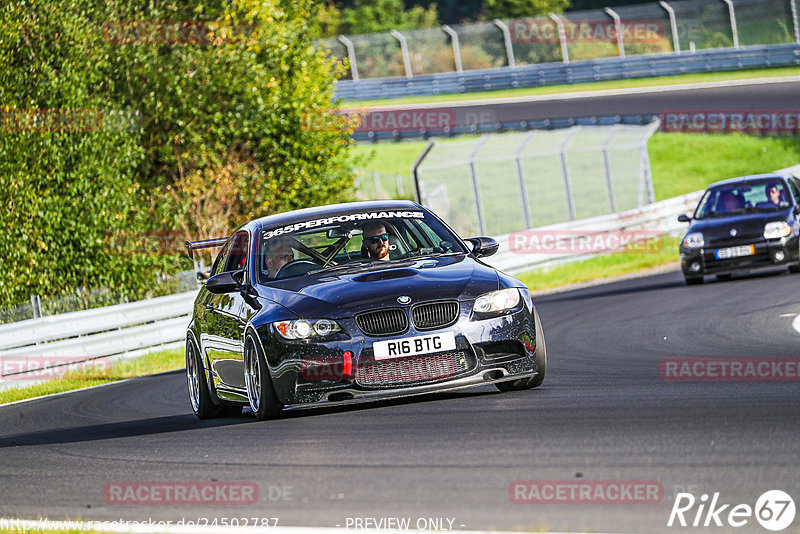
x,y
117,114
508,9
372,16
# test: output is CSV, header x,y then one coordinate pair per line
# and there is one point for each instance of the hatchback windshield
x,y
351,240
766,195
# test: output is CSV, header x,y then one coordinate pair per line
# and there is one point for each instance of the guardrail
x,y
542,74
657,218
124,330
129,330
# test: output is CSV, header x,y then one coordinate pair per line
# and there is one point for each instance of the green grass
x,y
146,365
681,163
603,266
579,87
392,158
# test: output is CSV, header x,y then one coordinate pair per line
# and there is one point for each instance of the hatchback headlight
x,y
776,230
497,301
694,240
306,328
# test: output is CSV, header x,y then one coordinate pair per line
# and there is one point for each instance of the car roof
x,y
290,217
752,178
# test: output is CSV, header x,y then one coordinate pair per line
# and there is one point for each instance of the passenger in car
x,y
278,254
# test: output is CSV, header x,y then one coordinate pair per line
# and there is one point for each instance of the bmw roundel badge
x,y
404,299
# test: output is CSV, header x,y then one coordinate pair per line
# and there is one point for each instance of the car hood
x,y
742,226
344,293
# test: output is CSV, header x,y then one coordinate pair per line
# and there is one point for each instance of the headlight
x,y
306,328
775,230
694,240
497,301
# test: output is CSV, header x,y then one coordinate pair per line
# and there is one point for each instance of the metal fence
x,y
373,185
122,331
84,299
662,27
496,184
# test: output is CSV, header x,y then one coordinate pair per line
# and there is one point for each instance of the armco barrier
x,y
160,323
542,74
122,330
660,218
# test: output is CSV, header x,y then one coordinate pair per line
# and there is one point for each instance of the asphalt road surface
x,y
783,96
604,413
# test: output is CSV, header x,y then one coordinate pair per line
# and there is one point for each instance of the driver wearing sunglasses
x,y
376,240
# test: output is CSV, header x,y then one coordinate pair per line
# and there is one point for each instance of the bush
x,y
230,106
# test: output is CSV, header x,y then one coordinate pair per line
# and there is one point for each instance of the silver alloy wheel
x,y
192,377
252,375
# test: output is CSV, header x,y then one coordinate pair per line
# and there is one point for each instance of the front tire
x,y
540,359
693,280
260,391
794,269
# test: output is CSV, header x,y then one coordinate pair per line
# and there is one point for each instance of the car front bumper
x,y
487,351
772,253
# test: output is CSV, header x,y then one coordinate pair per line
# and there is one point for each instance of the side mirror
x,y
684,218
483,246
225,282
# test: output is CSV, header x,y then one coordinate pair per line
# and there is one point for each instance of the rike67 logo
x,y
774,510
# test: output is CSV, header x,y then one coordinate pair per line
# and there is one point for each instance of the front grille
x,y
713,265
383,322
434,315
732,241
412,370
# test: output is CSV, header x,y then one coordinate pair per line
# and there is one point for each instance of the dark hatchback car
x,y
355,302
743,224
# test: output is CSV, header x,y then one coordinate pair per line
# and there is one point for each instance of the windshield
x,y
766,195
351,240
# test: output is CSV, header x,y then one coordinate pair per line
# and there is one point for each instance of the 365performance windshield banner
x,y
296,227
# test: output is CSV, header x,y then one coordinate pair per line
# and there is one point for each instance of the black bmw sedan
x,y
355,302
743,224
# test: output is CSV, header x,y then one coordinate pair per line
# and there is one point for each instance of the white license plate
x,y
411,346
734,252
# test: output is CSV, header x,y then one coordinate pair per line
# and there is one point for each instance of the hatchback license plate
x,y
734,252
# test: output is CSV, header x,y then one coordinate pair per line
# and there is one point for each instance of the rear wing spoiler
x,y
191,246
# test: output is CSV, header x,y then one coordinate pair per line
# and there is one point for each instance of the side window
x,y
237,254
220,261
795,191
